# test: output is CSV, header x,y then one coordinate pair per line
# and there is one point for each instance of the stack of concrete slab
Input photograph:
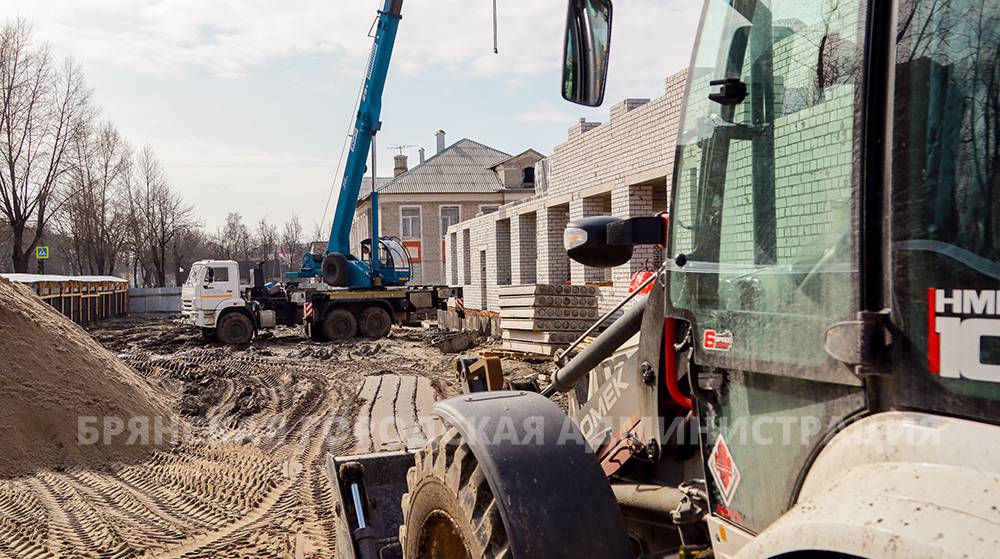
x,y
542,318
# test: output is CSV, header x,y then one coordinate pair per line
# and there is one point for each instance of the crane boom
x,y
338,267
366,125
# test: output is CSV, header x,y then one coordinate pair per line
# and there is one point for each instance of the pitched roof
x,y
525,152
465,166
366,186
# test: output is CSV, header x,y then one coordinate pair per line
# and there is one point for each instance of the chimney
x,y
399,166
440,140
421,156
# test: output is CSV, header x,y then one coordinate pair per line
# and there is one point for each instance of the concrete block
x,y
549,312
547,301
548,289
545,324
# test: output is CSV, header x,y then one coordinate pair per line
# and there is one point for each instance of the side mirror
x,y
586,241
587,46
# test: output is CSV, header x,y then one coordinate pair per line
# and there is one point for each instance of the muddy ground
x,y
247,478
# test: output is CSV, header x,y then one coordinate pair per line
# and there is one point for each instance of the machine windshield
x,y
946,214
762,189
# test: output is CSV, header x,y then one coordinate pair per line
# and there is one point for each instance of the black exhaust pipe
x,y
600,349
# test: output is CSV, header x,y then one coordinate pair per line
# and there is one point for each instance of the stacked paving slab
x,y
542,318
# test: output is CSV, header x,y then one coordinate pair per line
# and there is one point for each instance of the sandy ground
x,y
248,478
52,375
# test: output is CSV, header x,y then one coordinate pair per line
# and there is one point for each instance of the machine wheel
x,y
335,271
235,328
449,509
375,322
338,325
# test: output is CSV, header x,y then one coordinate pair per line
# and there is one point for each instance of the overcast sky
x,y
247,102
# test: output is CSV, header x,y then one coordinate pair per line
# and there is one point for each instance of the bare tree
x,y
234,239
189,245
266,241
95,216
157,215
41,112
291,242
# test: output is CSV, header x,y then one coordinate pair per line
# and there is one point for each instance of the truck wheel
x,y
235,328
375,322
338,325
335,270
449,509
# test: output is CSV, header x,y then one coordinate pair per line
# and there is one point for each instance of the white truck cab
x,y
212,287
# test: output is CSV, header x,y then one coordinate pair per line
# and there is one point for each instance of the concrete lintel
x,y
660,172
558,200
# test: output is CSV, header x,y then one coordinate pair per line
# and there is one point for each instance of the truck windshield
x,y
196,275
762,187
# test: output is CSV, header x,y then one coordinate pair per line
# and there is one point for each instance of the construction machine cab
x,y
393,265
832,251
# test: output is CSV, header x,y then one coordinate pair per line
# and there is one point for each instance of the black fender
x,y
242,310
554,498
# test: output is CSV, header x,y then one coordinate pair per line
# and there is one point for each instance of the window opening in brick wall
x,y
527,237
482,280
466,257
503,252
453,257
558,260
596,206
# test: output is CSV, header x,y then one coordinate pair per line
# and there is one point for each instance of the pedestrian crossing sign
x,y
41,253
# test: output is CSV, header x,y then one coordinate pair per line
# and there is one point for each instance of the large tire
x,y
335,269
449,509
338,325
375,322
235,328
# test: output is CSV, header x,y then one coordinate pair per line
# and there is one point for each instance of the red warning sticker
x,y
724,471
713,340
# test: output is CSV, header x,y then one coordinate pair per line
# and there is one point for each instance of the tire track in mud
x,y
253,480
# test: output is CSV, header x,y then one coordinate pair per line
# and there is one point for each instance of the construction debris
x,y
65,400
543,319
455,342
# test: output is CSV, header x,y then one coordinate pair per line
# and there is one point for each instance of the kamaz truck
x,y
816,369
214,300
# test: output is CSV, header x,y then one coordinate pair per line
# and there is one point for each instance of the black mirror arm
x,y
646,230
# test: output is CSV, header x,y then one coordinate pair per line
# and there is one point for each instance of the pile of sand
x,y
63,397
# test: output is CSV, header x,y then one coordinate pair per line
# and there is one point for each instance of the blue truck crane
x,y
386,262
335,295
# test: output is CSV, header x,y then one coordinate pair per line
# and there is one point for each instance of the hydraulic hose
x,y
600,349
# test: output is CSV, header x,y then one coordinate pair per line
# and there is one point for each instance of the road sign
x,y
41,253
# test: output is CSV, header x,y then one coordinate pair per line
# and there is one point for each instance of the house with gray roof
x,y
459,182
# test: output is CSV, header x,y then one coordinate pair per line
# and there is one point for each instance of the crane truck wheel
x,y
338,325
449,509
335,270
234,328
375,322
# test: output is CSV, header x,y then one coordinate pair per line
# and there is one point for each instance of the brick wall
x,y
621,167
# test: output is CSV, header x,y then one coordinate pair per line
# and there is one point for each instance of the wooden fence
x,y
82,299
85,302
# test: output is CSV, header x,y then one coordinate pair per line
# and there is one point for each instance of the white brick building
x,y
621,167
